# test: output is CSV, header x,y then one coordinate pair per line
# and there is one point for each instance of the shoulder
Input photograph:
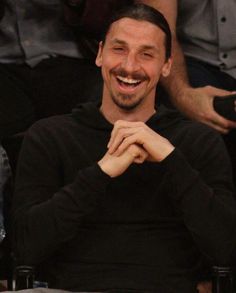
x,y
198,135
202,144
172,124
192,137
53,125
51,133
53,122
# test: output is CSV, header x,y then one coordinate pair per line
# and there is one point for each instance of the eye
x,y
147,55
118,49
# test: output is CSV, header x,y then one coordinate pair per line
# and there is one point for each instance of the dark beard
x,y
124,106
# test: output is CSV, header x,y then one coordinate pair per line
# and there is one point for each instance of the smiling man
x,y
122,196
131,67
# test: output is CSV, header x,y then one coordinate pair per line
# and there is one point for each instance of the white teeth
x,y
128,80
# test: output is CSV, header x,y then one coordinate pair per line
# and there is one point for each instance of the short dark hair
x,y
142,12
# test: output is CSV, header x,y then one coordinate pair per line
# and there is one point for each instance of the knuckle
x,y
122,131
122,134
209,88
143,128
133,148
118,123
142,125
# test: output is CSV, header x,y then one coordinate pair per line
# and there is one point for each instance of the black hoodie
x,y
145,230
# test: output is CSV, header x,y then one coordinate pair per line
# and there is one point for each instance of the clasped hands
x,y
133,142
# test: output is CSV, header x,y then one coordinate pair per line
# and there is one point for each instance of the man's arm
x,y
196,103
47,207
202,191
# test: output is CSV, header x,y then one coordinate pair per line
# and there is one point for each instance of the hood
x,y
89,114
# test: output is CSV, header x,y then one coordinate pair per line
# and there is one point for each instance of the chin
x,y
125,103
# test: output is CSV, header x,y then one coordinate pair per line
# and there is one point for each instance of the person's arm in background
x,y
196,103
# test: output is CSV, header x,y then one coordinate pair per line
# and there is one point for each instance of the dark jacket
x,y
145,230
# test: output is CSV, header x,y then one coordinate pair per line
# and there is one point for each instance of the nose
x,y
130,63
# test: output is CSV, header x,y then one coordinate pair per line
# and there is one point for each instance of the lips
x,y
128,86
130,82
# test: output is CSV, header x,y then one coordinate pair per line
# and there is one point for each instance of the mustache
x,y
123,73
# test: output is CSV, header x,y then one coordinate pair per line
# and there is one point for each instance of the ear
x,y
166,68
98,60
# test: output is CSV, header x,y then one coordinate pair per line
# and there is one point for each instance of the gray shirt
x,y
33,30
207,31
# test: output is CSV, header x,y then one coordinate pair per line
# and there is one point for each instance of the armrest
x,y
23,278
222,279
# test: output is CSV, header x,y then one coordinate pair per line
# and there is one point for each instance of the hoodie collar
x,y
90,115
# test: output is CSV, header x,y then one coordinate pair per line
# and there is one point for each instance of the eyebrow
x,y
117,41
143,47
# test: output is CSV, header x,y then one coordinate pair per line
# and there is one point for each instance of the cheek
x,y
108,65
111,61
155,73
106,71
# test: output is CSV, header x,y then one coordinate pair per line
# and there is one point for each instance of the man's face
x,y
132,61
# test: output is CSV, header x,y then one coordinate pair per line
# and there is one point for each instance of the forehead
x,y
139,32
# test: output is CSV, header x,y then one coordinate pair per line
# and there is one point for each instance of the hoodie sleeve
x,y
204,195
46,213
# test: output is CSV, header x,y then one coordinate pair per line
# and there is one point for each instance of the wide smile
x,y
128,85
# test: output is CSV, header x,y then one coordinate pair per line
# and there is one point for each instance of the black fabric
x,y
145,230
2,8
90,16
54,86
88,19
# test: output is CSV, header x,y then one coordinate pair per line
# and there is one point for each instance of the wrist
x,y
105,168
166,152
182,97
